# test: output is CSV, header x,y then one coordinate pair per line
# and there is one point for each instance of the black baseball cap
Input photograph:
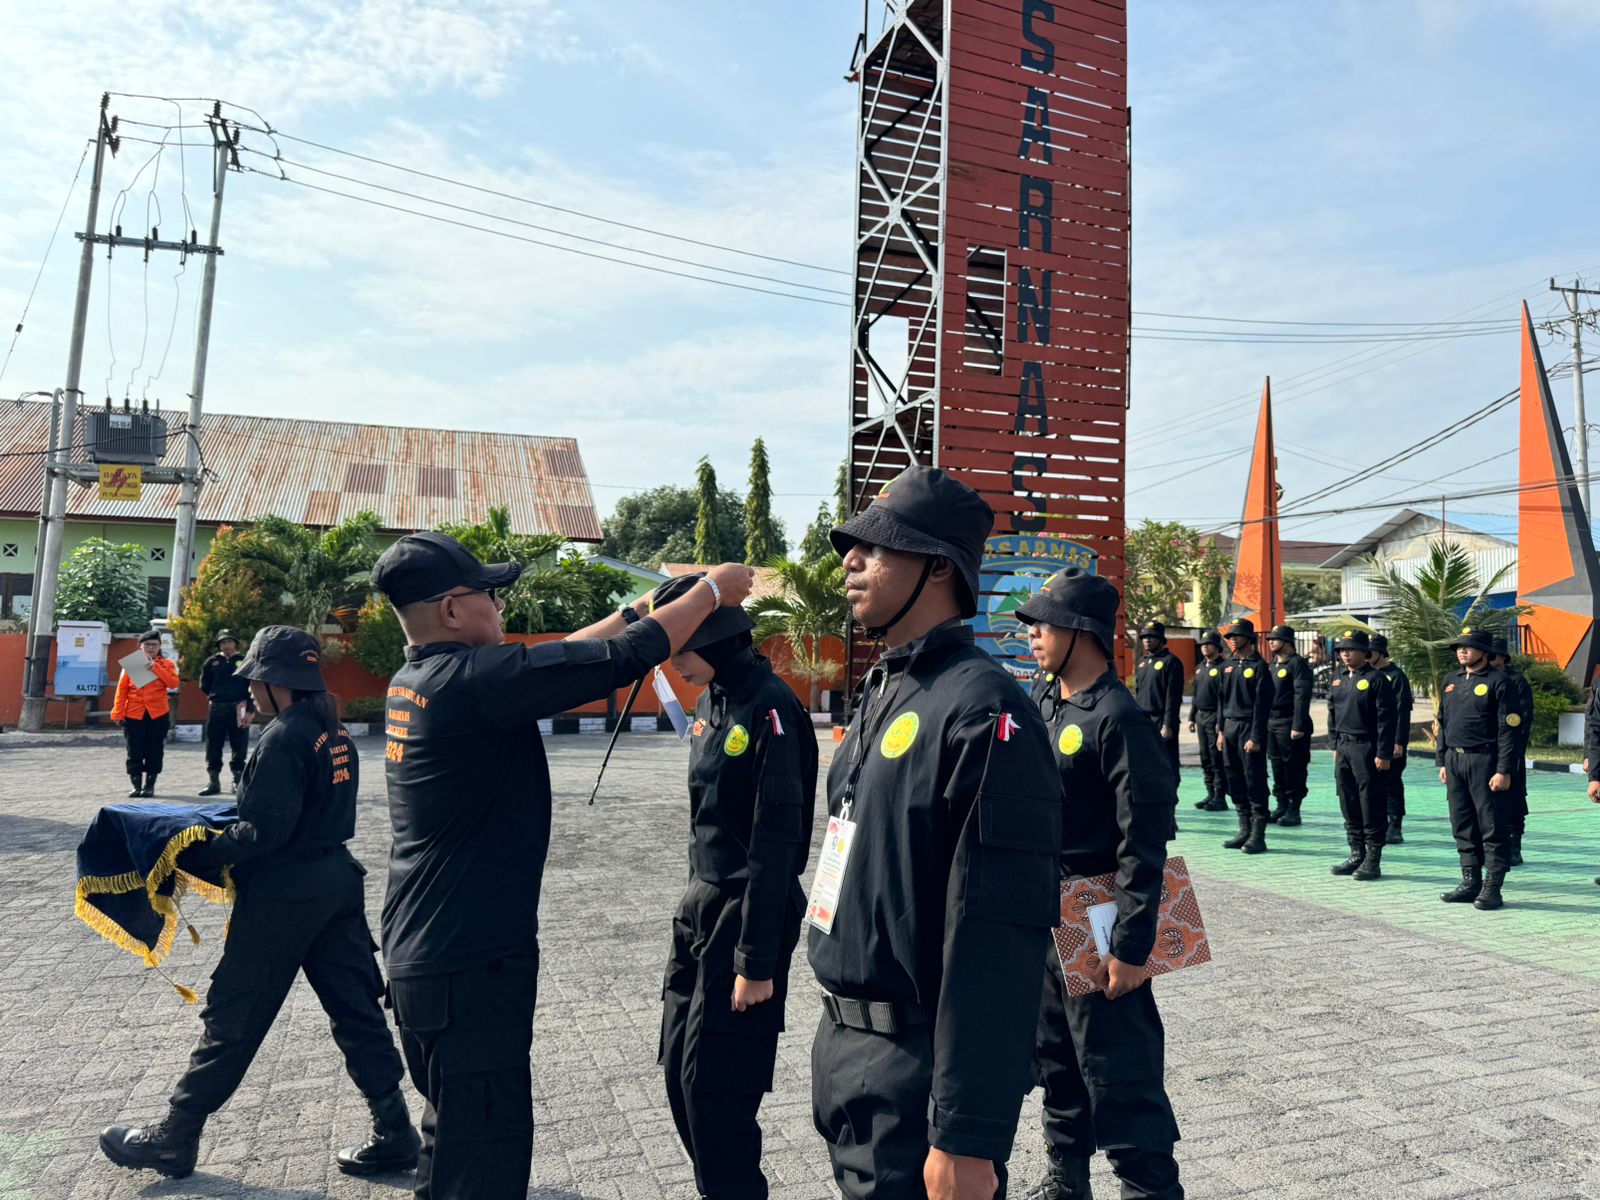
x,y
422,566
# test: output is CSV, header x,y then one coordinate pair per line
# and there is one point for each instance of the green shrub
x,y
1547,710
364,708
104,582
380,642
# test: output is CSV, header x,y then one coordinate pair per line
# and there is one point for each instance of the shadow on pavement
x,y
36,835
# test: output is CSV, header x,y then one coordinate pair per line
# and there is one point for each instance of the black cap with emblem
x,y
1474,639
285,656
424,566
1073,598
1244,627
1354,639
1210,638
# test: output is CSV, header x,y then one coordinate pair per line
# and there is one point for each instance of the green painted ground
x,y
1551,902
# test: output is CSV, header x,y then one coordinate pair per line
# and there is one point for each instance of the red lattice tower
x,y
991,296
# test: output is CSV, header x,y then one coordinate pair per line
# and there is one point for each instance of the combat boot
x,y
1064,1179
1516,849
1292,817
1280,811
1372,866
1489,897
1394,837
1256,843
394,1143
214,785
1358,854
169,1147
149,786
1243,836
138,785
1467,890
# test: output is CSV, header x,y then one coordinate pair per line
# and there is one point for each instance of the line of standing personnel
x,y
1393,780
1288,726
1361,726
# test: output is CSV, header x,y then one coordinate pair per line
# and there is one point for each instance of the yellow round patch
x,y
1212,672
898,737
1481,690
1466,629
1158,664
1283,672
1070,741
1249,672
1513,719
737,741
1363,684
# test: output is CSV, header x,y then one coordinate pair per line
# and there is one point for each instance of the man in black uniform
x,y
226,690
1393,780
1591,747
752,793
937,887
1361,727
300,906
1204,715
469,799
1101,1056
1288,726
1479,725
1246,702
1158,683
1500,660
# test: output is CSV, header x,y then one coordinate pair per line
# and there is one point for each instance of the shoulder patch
x,y
1070,741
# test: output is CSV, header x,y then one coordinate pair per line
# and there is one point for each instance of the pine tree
x,y
816,546
707,530
762,542
841,495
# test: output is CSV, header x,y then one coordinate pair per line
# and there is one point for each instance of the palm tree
x,y
543,582
1425,615
809,606
313,573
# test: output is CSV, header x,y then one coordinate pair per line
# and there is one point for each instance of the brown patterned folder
x,y
1180,933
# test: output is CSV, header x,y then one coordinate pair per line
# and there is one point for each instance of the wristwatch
x,y
629,614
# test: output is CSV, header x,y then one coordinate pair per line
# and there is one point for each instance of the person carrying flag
x,y
752,794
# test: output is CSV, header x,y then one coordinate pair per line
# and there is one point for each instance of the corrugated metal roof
x,y
319,472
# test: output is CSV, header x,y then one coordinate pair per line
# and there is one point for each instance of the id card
x,y
1101,918
823,902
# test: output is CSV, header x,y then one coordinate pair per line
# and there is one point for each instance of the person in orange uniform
x,y
145,715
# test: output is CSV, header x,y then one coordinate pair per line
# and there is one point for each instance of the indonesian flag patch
x,y
1006,727
777,725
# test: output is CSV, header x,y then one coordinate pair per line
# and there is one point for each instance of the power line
x,y
39,274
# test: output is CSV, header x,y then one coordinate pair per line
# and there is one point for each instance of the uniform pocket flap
x,y
1015,821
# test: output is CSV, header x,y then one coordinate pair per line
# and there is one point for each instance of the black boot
x,y
168,1148
393,1145
1394,837
1243,836
1467,890
1358,854
214,785
1489,897
138,785
1516,849
1064,1179
1216,803
149,786
1278,812
1256,843
1372,866
1292,817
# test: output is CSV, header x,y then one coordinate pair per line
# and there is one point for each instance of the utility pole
x,y
38,545
226,151
44,599
1580,432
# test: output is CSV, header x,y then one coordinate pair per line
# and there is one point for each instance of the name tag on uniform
x,y
823,903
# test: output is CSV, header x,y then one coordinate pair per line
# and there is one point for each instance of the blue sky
x,y
1344,161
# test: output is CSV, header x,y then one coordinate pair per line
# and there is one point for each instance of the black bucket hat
x,y
1154,630
1501,647
1474,639
725,621
286,656
924,511
1073,598
1281,633
421,566
1244,627
226,635
1354,639
1379,643
1210,638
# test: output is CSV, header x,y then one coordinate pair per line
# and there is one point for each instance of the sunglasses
x,y
492,593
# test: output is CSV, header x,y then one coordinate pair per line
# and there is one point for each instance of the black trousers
x,y
1518,815
718,1062
1480,818
1247,770
1291,761
316,924
146,739
222,725
1211,764
1101,1064
1394,786
870,1095
1363,800
467,1037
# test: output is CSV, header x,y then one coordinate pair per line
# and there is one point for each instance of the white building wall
x,y
1407,551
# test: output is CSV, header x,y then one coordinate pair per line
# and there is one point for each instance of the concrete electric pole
x,y
1580,431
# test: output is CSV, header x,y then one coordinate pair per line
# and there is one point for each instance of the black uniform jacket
x,y
953,884
1158,682
469,789
1208,680
1291,692
1523,694
218,681
752,795
1247,694
297,800
1591,733
1117,798
1478,712
1362,708
1401,686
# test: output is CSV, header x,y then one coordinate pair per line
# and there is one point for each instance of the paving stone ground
x,y
1348,1040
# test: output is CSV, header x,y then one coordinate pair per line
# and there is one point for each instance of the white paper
x,y
137,665
1101,918
674,710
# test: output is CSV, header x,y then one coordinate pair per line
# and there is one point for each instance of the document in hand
x,y
137,665
1180,933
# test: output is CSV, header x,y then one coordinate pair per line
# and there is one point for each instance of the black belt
x,y
873,1016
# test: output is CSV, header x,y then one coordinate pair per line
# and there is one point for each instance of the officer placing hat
x,y
1100,1056
1247,689
752,793
299,907
1204,715
1288,726
1392,781
1362,717
469,796
1479,735
938,885
226,721
1158,683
